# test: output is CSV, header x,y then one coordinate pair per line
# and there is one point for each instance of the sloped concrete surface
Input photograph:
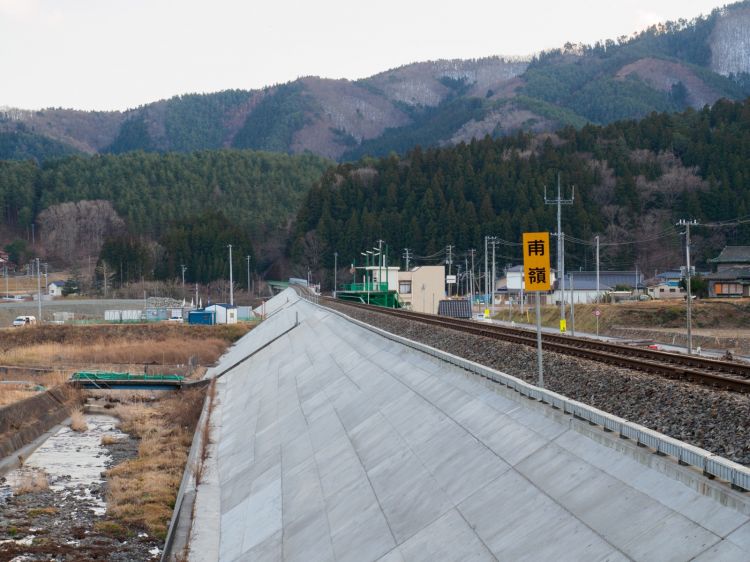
x,y
333,443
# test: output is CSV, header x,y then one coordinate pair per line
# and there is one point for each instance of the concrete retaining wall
x,y
22,422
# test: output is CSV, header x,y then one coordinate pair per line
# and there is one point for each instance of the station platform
x,y
332,442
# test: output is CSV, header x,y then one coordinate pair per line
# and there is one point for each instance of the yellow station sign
x,y
536,263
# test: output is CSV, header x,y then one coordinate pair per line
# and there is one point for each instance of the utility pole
x,y
335,272
572,306
597,285
492,286
46,283
449,249
247,259
687,224
471,278
559,201
39,288
407,257
467,276
486,274
231,280
380,263
104,272
5,270
183,267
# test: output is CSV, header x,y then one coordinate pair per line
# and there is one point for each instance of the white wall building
x,y
422,288
384,275
55,288
223,313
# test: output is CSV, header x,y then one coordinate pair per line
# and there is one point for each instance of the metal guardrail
x,y
359,287
713,466
101,376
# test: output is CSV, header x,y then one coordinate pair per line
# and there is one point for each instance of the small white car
x,y
21,321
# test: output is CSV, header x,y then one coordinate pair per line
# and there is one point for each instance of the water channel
x,y
50,506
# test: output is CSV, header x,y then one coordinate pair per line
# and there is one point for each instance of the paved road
x,y
93,308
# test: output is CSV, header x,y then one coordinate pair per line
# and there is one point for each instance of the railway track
x,y
712,372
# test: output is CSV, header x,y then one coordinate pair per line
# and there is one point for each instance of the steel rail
x,y
701,370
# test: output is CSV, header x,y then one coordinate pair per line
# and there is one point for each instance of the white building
x,y
422,288
55,288
387,275
223,313
513,285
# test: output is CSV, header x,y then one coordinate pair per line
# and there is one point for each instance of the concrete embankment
x,y
24,421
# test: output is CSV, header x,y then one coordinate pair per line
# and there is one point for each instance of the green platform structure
x,y
376,294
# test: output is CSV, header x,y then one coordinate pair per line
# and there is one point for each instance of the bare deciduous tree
x,y
73,231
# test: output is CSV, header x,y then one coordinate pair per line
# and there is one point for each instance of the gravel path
x,y
715,420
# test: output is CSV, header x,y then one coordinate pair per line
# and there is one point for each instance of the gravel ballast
x,y
715,420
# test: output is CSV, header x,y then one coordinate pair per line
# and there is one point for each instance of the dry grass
x,y
38,511
78,420
30,482
142,491
171,351
108,347
108,439
10,393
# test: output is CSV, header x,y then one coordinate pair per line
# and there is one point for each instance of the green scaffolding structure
x,y
369,291
376,294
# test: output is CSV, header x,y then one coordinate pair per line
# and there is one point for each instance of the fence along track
x,y
711,372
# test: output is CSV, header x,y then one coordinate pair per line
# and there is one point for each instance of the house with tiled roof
x,y
731,276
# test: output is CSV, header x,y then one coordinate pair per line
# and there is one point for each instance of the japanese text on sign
x,y
536,263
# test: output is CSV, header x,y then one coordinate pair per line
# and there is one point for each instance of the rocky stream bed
x,y
60,516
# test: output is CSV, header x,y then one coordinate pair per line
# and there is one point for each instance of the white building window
x,y
404,287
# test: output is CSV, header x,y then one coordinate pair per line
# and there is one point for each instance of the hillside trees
x,y
257,191
17,192
200,242
633,180
130,258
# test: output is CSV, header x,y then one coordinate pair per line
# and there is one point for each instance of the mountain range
x,y
668,67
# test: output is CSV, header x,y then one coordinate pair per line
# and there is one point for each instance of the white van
x,y
24,321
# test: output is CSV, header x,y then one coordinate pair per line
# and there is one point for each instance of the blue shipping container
x,y
201,317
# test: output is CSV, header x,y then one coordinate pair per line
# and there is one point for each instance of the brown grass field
x,y
141,491
10,393
106,347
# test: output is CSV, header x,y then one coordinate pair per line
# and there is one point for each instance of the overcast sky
x,y
109,54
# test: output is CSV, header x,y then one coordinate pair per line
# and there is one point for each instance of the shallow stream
x,y
50,507
72,461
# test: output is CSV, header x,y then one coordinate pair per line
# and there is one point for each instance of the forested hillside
x,y
170,200
667,67
20,145
633,180
255,190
